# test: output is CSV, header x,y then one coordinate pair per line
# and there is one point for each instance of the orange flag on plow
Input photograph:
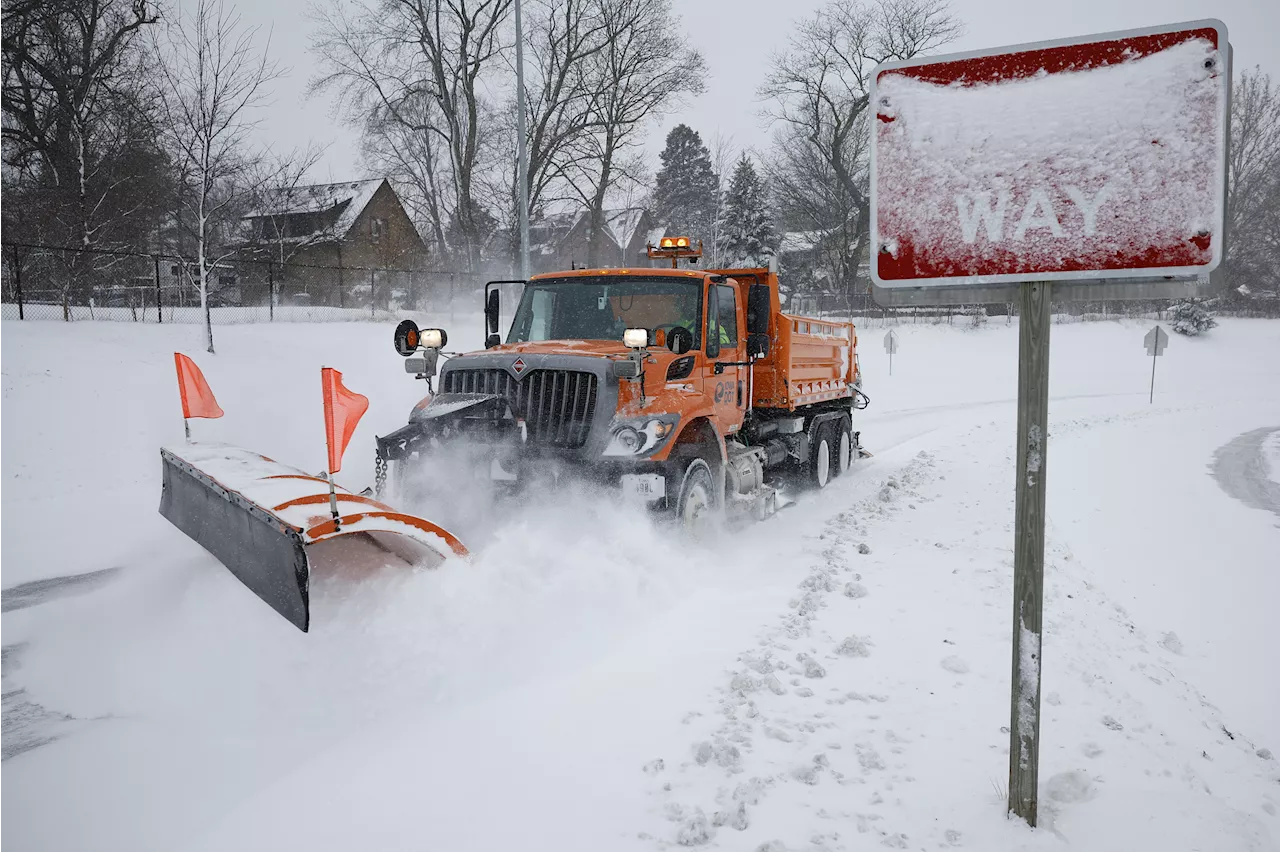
x,y
342,411
197,398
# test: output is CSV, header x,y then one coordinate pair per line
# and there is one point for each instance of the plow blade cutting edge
x,y
271,525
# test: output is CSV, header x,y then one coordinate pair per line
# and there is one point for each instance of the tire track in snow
x,y
1240,468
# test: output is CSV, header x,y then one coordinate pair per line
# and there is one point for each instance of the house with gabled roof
x,y
350,244
561,240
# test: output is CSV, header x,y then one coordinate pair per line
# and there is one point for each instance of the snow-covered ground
x,y
834,678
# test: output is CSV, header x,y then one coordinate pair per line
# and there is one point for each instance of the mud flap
x,y
267,523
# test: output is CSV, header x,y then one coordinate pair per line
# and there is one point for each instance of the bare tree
x,y
214,76
82,162
420,65
396,145
564,38
723,156
641,74
1253,185
67,70
820,87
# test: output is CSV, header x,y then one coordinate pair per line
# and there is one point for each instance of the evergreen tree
x,y
685,191
1190,317
746,229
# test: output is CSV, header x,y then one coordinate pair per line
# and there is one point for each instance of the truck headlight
x,y
627,440
640,437
635,338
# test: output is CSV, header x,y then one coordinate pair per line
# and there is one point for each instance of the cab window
x,y
726,318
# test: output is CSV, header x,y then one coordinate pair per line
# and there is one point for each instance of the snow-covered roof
x,y
355,195
550,229
622,224
799,241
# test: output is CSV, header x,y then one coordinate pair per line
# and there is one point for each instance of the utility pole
x,y
522,155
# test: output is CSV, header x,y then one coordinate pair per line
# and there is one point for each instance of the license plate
x,y
643,486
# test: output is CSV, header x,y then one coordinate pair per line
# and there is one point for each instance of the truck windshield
x,y
603,307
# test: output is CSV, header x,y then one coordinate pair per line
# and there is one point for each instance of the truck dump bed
x,y
810,361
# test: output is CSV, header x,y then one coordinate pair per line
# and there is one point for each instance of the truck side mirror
x,y
491,304
492,341
757,345
758,309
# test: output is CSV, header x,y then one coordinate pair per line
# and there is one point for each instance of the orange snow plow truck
x,y
686,389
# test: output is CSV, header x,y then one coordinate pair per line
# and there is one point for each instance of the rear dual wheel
x,y
832,451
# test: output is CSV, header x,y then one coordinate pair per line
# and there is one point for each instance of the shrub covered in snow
x,y
976,315
1190,317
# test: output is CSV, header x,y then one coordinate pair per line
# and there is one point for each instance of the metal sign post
x,y
1155,341
979,192
891,346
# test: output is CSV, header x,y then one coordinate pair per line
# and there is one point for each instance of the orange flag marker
x,y
342,411
197,398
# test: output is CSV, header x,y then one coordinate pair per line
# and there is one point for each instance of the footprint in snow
x,y
695,832
855,646
1171,643
955,665
811,667
1090,749
1073,786
1110,722
868,757
855,590
736,818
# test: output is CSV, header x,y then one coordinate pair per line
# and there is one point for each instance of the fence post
x,y
342,282
17,283
373,296
159,303
271,292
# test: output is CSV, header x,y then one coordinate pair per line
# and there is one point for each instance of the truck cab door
x,y
724,345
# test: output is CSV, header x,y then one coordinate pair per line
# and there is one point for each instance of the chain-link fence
x,y
862,307
68,284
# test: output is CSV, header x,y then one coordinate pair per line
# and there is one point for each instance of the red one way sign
x,y
1100,157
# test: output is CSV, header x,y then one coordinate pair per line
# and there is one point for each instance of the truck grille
x,y
557,405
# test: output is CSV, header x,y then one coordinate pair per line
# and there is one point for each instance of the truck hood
x,y
599,348
659,356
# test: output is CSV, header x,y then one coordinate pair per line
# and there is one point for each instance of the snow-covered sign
x,y
891,342
1100,157
1155,341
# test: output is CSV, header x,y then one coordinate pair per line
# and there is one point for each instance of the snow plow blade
x,y
271,524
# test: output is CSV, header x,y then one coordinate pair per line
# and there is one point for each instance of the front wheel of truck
x,y
696,504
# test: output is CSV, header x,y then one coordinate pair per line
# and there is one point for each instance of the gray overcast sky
x,y
736,39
